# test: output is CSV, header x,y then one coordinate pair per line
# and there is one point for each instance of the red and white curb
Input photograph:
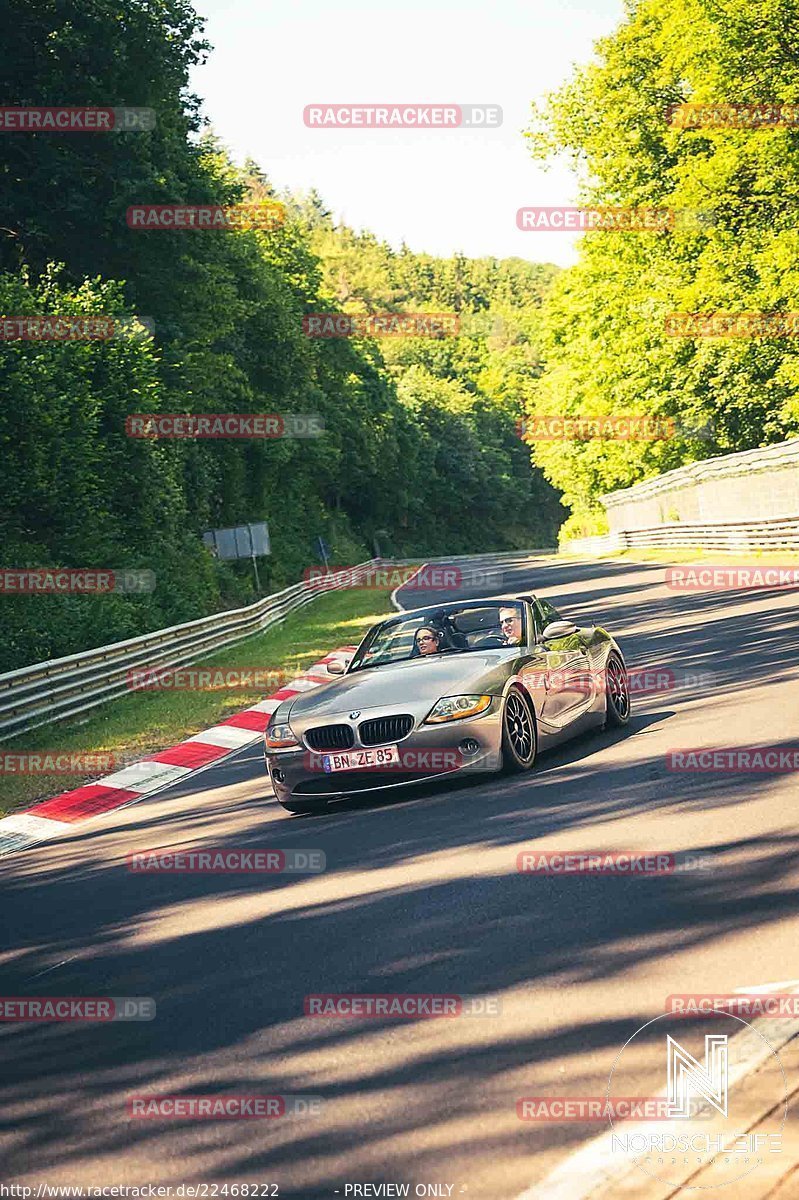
x,y
132,783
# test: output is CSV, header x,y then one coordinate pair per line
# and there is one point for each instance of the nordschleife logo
x,y
725,1098
687,1077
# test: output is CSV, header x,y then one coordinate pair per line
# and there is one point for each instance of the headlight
x,y
280,737
456,708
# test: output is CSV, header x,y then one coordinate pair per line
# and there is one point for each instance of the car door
x,y
569,684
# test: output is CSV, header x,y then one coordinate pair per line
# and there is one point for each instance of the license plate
x,y
356,760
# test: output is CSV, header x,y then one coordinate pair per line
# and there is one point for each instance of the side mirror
x,y
337,666
559,629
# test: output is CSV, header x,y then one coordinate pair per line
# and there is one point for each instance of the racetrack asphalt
x,y
421,895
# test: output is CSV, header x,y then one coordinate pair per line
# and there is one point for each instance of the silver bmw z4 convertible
x,y
462,687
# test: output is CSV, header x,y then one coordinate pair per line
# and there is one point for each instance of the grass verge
x,y
146,721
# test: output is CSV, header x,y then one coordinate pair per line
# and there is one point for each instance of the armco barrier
x,y
593,547
499,557
65,687
776,533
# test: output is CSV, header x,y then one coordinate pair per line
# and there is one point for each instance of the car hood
x,y
410,682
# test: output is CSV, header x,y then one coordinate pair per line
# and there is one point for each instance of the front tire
x,y
617,693
519,740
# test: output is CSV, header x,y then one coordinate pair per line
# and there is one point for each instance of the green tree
x,y
604,333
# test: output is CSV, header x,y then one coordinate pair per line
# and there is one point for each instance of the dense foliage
x,y
605,342
419,449
464,393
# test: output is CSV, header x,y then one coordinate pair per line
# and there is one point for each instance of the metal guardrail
x,y
62,688
494,556
774,533
66,687
593,547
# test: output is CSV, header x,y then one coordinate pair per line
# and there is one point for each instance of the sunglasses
x,y
507,620
426,637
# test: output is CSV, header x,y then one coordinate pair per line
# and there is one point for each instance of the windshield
x,y
452,629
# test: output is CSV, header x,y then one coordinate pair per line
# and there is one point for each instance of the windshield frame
x,y
432,615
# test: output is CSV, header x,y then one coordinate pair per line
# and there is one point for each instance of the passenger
x,y
510,622
428,640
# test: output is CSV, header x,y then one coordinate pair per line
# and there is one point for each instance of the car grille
x,y
384,729
330,737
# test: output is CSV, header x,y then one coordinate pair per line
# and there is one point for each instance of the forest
x,y
419,452
613,338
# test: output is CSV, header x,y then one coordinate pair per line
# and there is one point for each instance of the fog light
x,y
279,775
469,746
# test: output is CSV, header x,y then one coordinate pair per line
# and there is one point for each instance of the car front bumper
x,y
429,752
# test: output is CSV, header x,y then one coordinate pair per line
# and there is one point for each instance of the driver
x,y
428,639
510,622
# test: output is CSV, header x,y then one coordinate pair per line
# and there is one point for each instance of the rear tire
x,y
617,693
519,738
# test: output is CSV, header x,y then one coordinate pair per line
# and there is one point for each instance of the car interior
x,y
468,628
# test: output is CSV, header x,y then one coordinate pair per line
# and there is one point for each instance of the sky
x,y
439,190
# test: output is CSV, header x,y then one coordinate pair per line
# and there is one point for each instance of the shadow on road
x,y
421,895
